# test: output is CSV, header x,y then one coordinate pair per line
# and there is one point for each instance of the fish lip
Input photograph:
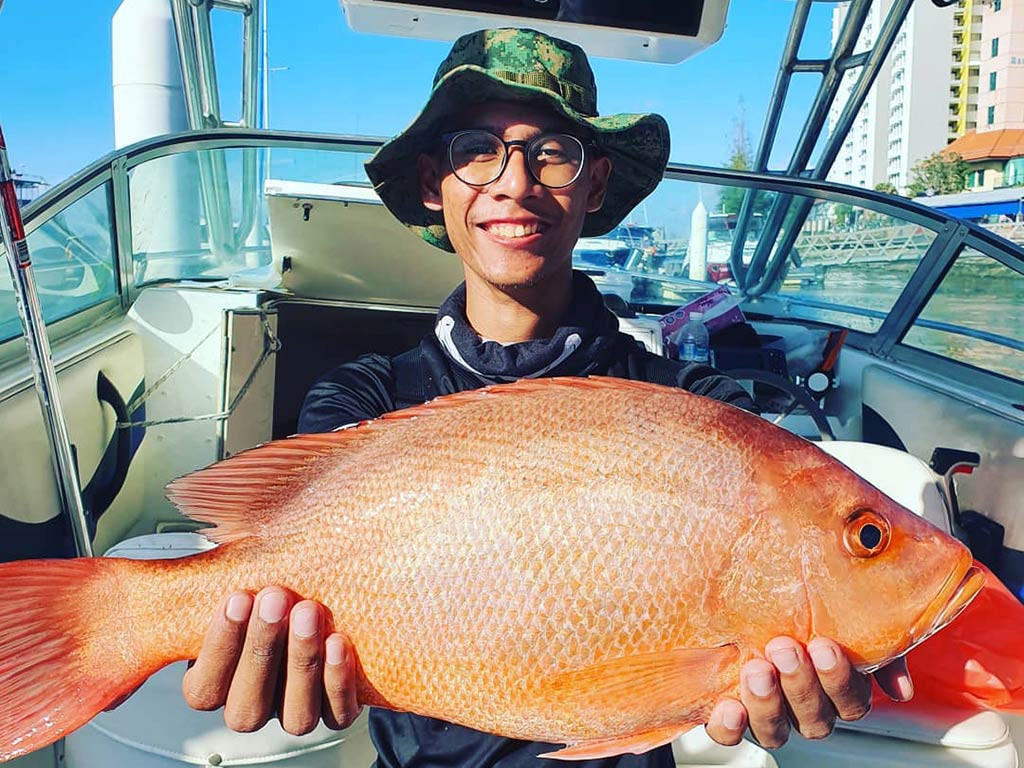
x,y
956,593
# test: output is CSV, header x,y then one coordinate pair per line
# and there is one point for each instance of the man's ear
x,y
600,170
429,170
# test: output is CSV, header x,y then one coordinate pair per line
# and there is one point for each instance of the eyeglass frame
x,y
449,138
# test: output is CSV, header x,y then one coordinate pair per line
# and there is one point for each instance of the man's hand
x,y
246,647
807,690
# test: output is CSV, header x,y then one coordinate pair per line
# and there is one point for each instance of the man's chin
x,y
514,286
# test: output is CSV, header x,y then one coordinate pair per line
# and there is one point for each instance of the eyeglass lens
x,y
479,157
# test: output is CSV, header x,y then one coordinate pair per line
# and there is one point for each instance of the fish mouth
x,y
954,596
957,592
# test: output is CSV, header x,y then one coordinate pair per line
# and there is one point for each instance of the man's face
x,y
513,232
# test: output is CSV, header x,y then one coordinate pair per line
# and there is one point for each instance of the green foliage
x,y
742,159
886,187
842,213
944,173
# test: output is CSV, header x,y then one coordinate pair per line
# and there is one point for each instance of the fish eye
x,y
866,533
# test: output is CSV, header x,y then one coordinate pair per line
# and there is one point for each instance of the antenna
x,y
265,74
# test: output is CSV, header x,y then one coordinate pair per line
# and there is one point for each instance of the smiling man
x,y
506,166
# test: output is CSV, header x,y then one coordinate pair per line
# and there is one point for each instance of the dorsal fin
x,y
237,495
529,386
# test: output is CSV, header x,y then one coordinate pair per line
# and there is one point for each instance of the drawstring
x,y
443,331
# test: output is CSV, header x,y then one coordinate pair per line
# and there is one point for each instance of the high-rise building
x,y
1001,66
965,67
862,160
905,116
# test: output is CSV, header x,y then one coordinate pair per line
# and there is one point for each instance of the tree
x,y
842,214
887,188
944,173
741,159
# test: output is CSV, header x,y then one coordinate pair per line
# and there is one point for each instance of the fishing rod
x,y
20,263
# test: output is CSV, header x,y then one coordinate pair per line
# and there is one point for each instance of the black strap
x,y
112,470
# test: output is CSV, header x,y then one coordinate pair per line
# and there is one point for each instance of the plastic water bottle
x,y
692,340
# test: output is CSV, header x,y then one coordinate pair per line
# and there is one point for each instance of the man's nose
x,y
516,181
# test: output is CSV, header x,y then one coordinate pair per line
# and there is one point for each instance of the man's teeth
x,y
513,230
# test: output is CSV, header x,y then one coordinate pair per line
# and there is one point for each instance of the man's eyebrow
x,y
498,131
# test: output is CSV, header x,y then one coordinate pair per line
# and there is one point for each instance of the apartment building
x,y
1001,66
862,160
965,67
905,116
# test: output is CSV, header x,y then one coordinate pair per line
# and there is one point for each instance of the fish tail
x,y
66,651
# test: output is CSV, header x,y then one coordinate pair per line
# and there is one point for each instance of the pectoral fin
x,y
636,744
667,694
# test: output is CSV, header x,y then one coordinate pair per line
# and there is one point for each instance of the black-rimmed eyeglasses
x,y
478,157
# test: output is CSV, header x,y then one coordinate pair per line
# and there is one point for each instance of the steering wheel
x,y
797,396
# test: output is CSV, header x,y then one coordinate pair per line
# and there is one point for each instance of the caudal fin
x,y
977,662
62,660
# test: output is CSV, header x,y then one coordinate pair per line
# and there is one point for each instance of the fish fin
x,y
51,616
676,681
525,386
636,744
238,495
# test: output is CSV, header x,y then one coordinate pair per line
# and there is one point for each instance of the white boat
x,y
209,285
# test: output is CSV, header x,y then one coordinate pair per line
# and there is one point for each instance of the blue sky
x,y
57,112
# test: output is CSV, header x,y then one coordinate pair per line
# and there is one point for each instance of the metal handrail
x,y
202,100
763,270
63,194
960,234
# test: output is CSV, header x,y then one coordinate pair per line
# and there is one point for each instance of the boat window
x,y
200,215
853,263
976,316
73,263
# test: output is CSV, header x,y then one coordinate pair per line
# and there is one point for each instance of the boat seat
x,y
889,736
156,729
903,477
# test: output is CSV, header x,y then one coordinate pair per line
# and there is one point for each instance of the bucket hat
x,y
521,65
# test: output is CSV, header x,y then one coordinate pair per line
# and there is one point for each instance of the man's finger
x,y
253,696
300,708
894,680
341,707
766,709
847,689
208,679
810,708
727,722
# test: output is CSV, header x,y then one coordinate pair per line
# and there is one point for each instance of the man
x,y
506,166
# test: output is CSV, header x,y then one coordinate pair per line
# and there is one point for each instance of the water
x,y
978,293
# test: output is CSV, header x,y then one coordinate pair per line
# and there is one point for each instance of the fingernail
x,y
273,607
761,684
335,652
306,621
785,660
906,688
823,656
732,719
238,607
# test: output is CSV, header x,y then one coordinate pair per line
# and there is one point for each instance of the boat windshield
x,y
855,260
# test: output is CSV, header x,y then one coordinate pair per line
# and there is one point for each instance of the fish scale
x,y
579,561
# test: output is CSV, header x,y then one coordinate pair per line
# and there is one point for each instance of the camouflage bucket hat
x,y
521,65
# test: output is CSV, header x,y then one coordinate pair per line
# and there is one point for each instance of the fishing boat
x,y
187,289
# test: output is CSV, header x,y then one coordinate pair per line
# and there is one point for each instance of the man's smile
x,y
511,229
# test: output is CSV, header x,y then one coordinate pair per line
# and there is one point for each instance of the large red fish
x,y
579,561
